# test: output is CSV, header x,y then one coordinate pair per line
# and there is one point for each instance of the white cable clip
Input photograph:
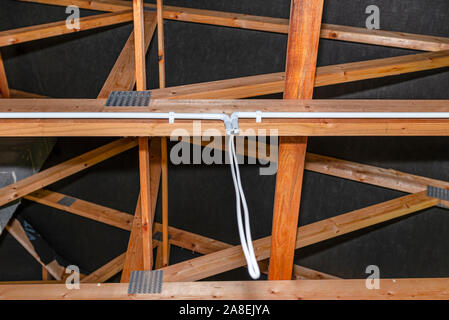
x,y
258,116
171,117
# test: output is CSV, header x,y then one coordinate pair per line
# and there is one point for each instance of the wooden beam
x,y
384,38
46,177
4,88
107,271
303,273
46,276
284,127
145,203
21,35
16,229
160,42
139,45
144,148
302,53
98,5
159,261
227,106
164,165
123,75
386,178
390,289
253,86
277,25
40,282
228,259
82,208
19,94
134,254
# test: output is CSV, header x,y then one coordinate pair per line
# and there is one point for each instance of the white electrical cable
x,y
244,231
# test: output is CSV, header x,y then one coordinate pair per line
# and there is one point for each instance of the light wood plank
x,y
145,203
83,208
144,149
277,25
19,94
228,259
4,88
161,55
390,289
134,252
284,127
21,35
387,178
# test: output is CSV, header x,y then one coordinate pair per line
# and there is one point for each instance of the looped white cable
x,y
244,231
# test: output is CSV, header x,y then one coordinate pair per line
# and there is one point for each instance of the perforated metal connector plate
x,y
67,201
146,282
439,193
129,99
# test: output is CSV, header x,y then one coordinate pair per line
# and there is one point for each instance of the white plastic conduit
x,y
259,115
231,126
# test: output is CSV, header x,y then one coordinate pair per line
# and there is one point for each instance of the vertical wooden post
x,y
134,253
4,89
144,152
160,43
164,164
302,50
139,45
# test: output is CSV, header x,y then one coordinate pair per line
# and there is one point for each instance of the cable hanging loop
x,y
243,226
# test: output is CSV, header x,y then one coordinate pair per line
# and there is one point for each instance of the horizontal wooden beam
x,y
82,208
283,127
225,106
387,178
228,259
390,289
363,173
20,35
277,25
46,177
264,84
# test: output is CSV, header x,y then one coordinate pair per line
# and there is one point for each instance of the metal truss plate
x,y
146,282
129,99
